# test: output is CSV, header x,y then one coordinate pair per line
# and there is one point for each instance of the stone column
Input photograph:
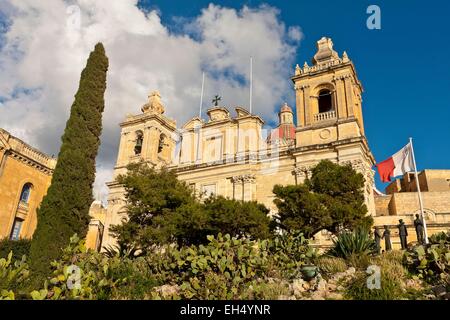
x,y
349,95
150,147
249,186
238,189
308,107
300,101
122,157
341,107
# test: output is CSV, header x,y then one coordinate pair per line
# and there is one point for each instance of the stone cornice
x,y
143,118
23,152
336,144
322,68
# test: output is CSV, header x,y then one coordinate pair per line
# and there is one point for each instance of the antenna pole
x,y
251,83
201,97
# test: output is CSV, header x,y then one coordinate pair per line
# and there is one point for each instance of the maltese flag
x,y
397,165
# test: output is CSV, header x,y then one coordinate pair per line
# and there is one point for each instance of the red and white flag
x,y
397,165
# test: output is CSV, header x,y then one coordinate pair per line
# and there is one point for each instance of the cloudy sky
x,y
167,44
45,45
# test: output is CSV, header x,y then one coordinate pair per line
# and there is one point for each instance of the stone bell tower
x,y
328,97
329,115
150,137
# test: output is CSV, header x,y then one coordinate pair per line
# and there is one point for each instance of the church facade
x,y
231,155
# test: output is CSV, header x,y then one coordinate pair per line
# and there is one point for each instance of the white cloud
x,y
44,51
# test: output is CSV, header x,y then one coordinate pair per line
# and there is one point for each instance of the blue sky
x,y
404,67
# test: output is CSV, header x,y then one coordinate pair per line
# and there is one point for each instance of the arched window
x,y
325,101
161,144
26,192
16,228
139,142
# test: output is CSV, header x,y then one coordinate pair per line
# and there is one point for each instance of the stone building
x,y
25,175
233,155
401,202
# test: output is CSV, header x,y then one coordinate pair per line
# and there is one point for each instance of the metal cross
x,y
216,100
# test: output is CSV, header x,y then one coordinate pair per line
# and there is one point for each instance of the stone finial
x,y
297,70
345,57
305,67
154,104
325,52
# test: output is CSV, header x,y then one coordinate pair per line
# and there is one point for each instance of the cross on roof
x,y
216,100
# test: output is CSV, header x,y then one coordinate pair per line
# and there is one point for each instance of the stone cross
x,y
216,100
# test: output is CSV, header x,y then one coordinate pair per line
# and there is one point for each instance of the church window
x,y
161,144
325,101
15,232
25,194
139,142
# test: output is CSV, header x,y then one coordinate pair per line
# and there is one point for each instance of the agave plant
x,y
349,243
121,251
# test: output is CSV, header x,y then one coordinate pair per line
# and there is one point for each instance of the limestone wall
x,y
14,176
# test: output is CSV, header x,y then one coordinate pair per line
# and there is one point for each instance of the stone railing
x,y
25,150
325,116
319,67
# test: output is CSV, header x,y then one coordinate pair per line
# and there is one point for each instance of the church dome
x,y
285,108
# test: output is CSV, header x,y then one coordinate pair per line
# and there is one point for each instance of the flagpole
x,y
198,129
201,97
419,193
251,83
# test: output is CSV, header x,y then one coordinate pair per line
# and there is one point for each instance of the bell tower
x,y
329,116
328,97
149,136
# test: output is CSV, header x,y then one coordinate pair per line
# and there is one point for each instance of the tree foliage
x,y
162,209
332,199
65,209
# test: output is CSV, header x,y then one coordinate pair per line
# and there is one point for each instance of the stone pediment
x,y
241,112
194,122
218,114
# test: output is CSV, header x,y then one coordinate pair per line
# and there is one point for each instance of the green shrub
x,y
266,290
357,242
13,276
99,277
330,265
217,270
18,247
358,261
393,275
430,263
289,252
440,237
226,267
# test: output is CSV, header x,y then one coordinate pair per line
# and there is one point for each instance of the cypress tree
x,y
64,211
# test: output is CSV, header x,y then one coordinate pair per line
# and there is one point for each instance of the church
x,y
229,154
